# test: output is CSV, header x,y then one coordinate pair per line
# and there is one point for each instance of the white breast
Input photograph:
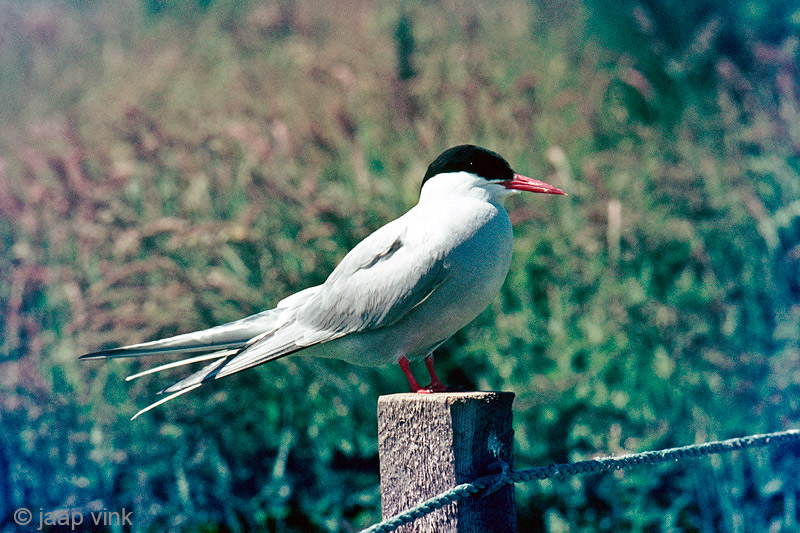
x,y
473,240
477,263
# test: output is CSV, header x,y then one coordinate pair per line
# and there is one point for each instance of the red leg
x,y
407,371
435,385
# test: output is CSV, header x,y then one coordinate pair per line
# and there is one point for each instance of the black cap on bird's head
x,y
472,159
486,164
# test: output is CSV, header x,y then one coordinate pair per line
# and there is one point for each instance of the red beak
x,y
524,183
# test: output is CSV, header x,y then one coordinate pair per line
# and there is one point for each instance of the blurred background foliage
x,y
168,166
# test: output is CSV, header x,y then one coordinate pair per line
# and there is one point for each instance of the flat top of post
x,y
447,397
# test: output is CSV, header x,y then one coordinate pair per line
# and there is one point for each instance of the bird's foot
x,y
434,386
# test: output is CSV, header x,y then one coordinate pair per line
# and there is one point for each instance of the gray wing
x,y
375,285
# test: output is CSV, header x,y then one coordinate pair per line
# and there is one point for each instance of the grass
x,y
170,167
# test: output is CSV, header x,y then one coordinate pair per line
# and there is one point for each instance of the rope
x,y
488,484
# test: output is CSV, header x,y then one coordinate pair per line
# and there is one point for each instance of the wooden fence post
x,y
429,443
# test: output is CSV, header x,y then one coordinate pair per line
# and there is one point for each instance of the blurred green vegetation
x,y
170,166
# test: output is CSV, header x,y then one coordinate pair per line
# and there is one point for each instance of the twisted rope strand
x,y
508,477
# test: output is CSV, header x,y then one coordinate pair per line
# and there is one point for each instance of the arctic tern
x,y
396,296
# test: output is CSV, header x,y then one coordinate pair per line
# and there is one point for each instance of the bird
x,y
395,297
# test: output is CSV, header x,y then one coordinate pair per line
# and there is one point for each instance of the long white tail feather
x,y
230,347
196,379
164,400
182,362
266,347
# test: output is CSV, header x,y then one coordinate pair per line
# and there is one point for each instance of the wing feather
x,y
375,285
